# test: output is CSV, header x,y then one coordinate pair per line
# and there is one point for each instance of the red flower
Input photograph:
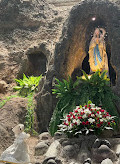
x,y
108,123
65,124
69,119
79,118
75,123
101,123
85,106
98,112
89,115
102,110
82,113
83,123
87,123
98,125
68,116
76,111
74,117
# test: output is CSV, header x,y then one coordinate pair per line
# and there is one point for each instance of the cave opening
x,y
97,22
37,62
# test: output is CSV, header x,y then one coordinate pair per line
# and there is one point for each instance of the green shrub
x,y
70,94
27,85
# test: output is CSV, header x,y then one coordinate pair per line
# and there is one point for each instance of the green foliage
x,y
29,121
27,85
95,88
5,100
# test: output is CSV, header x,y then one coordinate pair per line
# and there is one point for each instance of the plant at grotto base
x,y
29,118
85,120
27,85
70,94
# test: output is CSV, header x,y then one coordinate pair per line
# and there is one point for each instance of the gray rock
x,y
41,148
51,161
97,143
118,150
107,161
59,135
69,151
45,136
53,149
102,153
87,161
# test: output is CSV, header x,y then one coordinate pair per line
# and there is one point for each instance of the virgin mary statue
x,y
97,51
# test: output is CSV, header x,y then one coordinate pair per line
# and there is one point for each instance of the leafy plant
x,y
27,85
29,121
95,88
85,120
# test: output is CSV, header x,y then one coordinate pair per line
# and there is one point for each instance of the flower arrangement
x,y
87,119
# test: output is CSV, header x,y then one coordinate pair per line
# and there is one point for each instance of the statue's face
x,y
97,32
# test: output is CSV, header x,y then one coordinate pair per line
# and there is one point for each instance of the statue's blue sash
x,y
97,53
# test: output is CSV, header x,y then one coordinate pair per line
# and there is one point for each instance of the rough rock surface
x,y
11,114
28,27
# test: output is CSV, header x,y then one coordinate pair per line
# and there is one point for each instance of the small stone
x,y
106,142
51,161
97,143
87,161
107,161
65,143
47,159
45,136
41,148
58,161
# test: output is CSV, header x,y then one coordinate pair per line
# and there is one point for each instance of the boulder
x,y
102,153
41,148
53,149
45,136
